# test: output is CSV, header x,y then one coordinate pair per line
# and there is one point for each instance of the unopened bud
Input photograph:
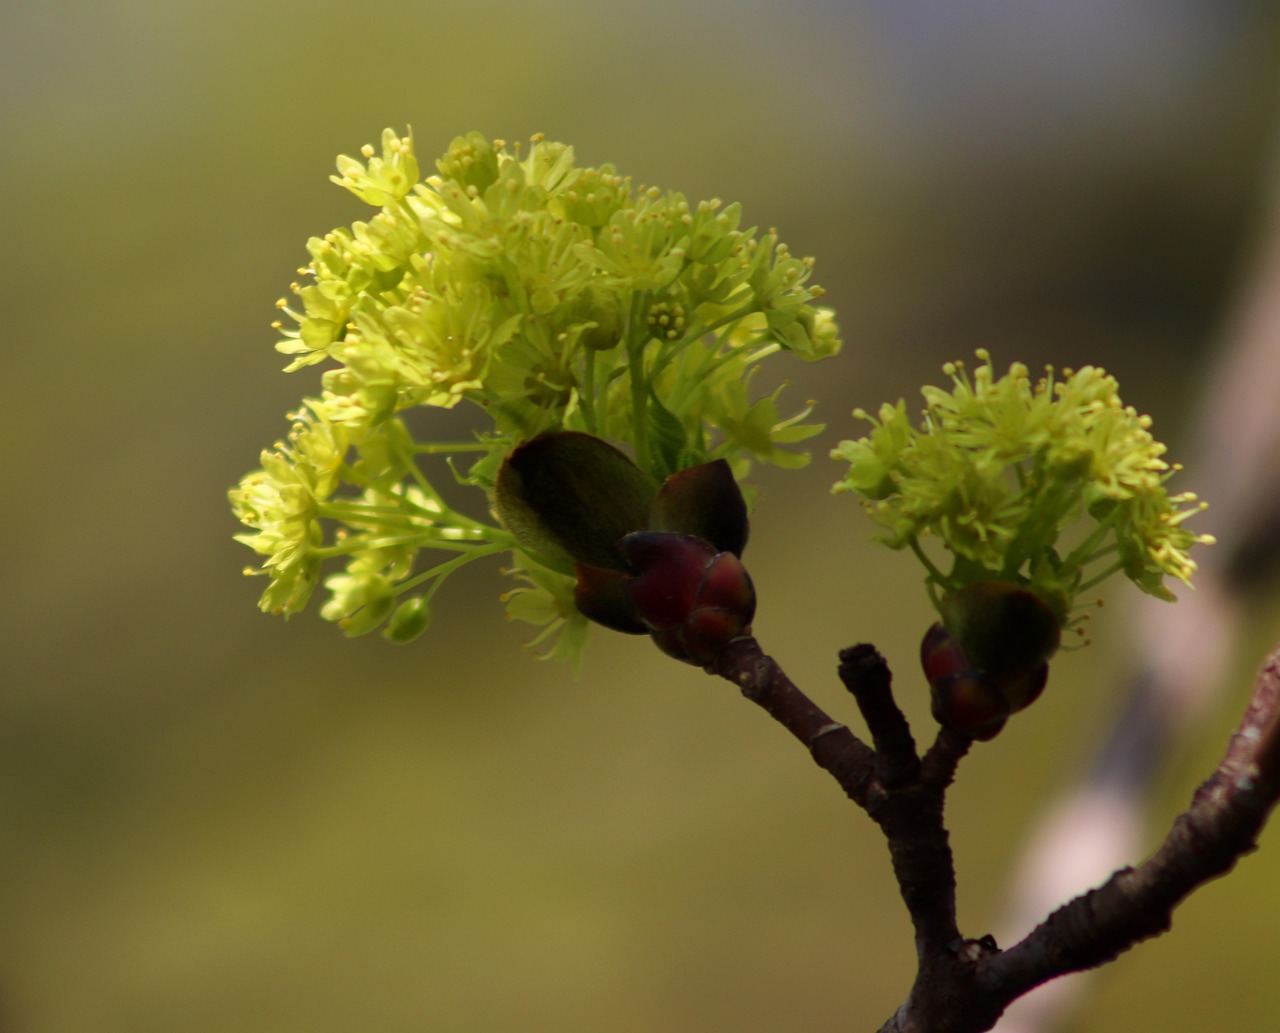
x,y
967,702
692,599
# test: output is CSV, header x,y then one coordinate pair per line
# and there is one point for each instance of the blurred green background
x,y
214,820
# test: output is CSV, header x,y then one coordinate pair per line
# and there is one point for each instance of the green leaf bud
x,y
572,496
409,620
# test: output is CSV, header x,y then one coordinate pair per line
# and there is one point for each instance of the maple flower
x,y
549,296
1053,485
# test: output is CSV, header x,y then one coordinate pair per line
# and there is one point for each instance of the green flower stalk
x,y
551,297
1053,485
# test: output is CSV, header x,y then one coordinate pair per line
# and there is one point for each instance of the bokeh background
x,y
214,820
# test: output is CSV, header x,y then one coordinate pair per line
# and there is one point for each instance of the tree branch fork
x,y
964,985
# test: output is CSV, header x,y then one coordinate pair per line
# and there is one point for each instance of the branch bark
x,y
1226,815
963,985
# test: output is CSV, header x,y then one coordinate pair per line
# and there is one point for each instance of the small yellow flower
x,y
279,500
1001,468
383,179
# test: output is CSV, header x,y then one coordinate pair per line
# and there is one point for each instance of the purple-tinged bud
x,y
967,702
670,569
976,700
692,599
1002,626
941,655
600,595
705,501
1022,687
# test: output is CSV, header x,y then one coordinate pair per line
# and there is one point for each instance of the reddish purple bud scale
x,y
1023,687
977,700
601,596
701,638
940,654
968,702
692,599
574,501
727,587
670,569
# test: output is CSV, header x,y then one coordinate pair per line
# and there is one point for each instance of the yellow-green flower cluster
x,y
551,296
385,514
555,297
1002,468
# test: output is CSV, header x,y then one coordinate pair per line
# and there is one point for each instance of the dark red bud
x,y
1022,687
1002,625
967,702
940,654
692,599
728,587
700,639
966,688
706,501
670,569
600,595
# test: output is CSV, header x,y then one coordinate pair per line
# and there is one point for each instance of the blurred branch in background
x,y
1183,653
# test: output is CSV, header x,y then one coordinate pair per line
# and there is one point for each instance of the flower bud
x,y
1022,687
972,699
968,702
367,617
600,307
409,620
941,655
692,599
1002,626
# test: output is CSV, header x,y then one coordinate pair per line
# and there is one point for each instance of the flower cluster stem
x,y
636,335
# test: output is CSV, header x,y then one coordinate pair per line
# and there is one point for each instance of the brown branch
x,y
1222,824
902,794
964,985
849,760
867,677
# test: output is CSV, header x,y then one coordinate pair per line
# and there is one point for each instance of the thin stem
x,y
354,512
735,316
1100,577
441,570
447,447
357,543
446,524
1226,815
866,676
908,809
967,989
1041,523
589,390
832,745
1084,552
637,336
935,575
